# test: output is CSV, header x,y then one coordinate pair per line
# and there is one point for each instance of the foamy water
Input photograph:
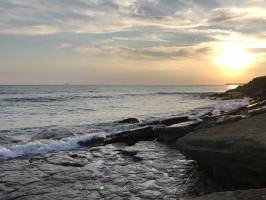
x,y
41,119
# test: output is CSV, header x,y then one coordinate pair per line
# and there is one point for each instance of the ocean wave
x,y
51,99
45,146
179,93
169,93
53,140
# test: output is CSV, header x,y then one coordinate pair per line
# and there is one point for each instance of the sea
x,y
39,119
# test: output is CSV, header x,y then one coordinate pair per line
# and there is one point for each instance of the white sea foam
x,y
45,146
230,105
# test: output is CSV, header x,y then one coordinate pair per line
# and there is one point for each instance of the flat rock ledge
x,y
234,153
147,170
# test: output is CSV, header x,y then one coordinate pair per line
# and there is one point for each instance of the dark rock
x,y
137,159
171,134
131,154
97,141
239,111
152,123
174,120
128,152
69,164
129,121
255,89
252,194
132,137
207,121
233,153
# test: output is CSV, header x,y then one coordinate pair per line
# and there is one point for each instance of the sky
x,y
139,42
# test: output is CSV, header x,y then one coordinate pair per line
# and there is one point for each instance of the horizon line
x,y
80,84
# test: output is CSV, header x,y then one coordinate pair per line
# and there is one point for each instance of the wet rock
x,y
129,121
188,124
174,120
110,175
132,137
233,153
229,119
150,194
252,194
96,141
128,152
65,161
137,159
256,104
152,123
257,111
207,122
171,134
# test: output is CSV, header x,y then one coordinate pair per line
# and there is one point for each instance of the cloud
x,y
64,46
150,53
101,16
138,27
30,30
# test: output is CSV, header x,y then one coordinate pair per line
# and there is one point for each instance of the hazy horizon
x,y
126,85
132,42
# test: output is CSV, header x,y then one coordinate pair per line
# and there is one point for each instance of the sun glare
x,y
234,56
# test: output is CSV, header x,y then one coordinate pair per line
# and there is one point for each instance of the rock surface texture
x,y
234,153
147,170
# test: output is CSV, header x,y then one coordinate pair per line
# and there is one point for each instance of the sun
x,y
234,56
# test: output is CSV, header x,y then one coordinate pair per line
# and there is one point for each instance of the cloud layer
x,y
106,30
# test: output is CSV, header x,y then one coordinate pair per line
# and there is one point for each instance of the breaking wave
x,y
45,146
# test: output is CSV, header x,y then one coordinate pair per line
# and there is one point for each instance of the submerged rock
x,y
233,153
129,121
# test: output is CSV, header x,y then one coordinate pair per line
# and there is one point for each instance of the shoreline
x,y
233,153
55,142
149,146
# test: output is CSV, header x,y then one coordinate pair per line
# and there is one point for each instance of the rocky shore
x,y
147,170
234,153
225,149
